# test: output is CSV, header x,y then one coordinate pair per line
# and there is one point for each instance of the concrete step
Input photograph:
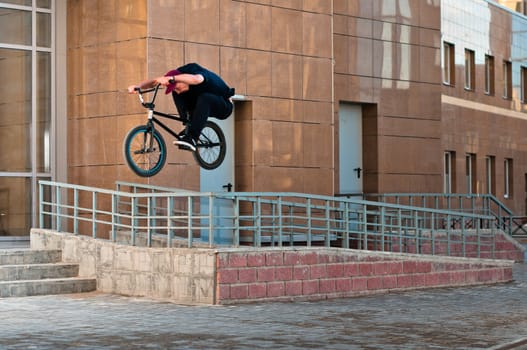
x,y
28,272
47,287
29,256
37,271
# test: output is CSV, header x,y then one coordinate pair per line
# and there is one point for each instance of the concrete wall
x,y
240,275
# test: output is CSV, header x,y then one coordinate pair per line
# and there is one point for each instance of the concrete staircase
x,y
28,272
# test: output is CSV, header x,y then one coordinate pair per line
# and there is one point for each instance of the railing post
x,y
280,225
94,214
75,211
170,212
258,217
148,221
57,209
328,224
114,216
189,220
346,235
309,222
211,217
236,240
134,219
41,205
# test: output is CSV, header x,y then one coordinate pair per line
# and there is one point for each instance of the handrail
x,y
503,215
259,218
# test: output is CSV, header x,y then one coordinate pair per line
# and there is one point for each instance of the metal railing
x,y
259,219
485,204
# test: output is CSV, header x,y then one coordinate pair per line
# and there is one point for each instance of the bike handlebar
x,y
140,93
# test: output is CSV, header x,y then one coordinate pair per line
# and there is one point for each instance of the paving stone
x,y
458,318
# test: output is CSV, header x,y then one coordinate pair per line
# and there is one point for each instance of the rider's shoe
x,y
186,142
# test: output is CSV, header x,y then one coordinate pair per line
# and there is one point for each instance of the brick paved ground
x,y
464,318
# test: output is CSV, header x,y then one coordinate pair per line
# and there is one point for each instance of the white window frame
x,y
469,67
470,163
489,74
447,63
447,171
489,173
507,176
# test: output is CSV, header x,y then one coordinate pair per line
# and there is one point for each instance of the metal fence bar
x,y
276,217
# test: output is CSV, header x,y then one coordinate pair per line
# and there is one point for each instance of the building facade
x,y
338,97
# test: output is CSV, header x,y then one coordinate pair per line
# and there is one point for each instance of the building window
x,y
490,171
507,178
489,75
27,70
523,84
448,176
470,166
448,64
470,66
507,79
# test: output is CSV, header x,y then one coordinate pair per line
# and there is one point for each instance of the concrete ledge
x,y
246,274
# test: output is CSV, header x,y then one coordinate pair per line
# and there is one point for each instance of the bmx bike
x,y
145,150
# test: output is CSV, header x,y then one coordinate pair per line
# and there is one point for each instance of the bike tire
x,y
141,160
211,147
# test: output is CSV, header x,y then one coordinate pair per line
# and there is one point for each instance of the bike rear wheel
x,y
211,147
145,151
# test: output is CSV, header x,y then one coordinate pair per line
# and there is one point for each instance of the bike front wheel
x,y
145,150
211,147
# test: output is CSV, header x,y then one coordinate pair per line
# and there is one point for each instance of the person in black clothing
x,y
198,93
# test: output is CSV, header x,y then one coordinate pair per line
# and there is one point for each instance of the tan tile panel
x,y
317,112
278,179
360,61
202,21
429,65
429,14
399,155
163,55
259,70
258,27
286,110
286,76
234,68
410,183
341,54
233,18
410,127
286,30
292,4
316,31
263,142
287,144
206,55
317,145
318,181
166,19
317,79
318,6
244,142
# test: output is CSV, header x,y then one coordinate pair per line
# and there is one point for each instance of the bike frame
x,y
152,112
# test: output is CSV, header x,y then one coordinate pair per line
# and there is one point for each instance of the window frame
x,y
507,178
449,171
507,79
489,75
523,84
448,64
490,174
470,173
470,66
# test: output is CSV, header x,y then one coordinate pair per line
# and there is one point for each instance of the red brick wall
x,y
247,275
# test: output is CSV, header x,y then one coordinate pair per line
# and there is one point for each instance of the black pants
x,y
207,105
